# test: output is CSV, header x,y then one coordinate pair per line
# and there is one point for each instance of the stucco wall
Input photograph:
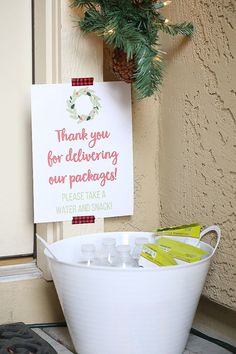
x,y
198,132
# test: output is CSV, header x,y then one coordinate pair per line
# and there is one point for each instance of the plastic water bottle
x,y
108,253
124,259
139,242
87,254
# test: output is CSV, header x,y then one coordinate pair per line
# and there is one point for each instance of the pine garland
x,y
133,26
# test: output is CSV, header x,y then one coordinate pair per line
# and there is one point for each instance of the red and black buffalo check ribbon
x,y
90,219
82,81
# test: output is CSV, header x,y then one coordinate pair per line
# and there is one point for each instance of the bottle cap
x,y
141,240
109,241
87,247
123,248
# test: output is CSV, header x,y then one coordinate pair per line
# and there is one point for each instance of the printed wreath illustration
x,y
72,109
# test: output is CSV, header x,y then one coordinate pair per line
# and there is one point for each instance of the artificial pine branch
x,y
133,26
124,37
185,28
149,72
87,3
93,21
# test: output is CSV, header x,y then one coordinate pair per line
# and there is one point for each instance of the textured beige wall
x,y
198,132
145,150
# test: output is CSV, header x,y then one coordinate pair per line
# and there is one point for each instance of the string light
x,y
109,31
159,5
157,58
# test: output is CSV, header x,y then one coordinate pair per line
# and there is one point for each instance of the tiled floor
x,y
60,339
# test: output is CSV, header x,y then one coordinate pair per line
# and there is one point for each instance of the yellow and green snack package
x,y
180,250
191,230
153,253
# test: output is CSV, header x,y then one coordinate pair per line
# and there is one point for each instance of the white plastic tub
x,y
127,311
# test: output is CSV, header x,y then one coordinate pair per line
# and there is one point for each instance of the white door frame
x,y
63,52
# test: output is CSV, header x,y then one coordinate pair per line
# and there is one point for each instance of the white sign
x,y
82,151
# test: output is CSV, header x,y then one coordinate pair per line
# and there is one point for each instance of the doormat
x,y
18,338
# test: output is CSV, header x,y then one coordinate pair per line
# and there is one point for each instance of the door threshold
x,y
16,260
15,272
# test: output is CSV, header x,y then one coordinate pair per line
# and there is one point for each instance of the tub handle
x,y
47,246
215,229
